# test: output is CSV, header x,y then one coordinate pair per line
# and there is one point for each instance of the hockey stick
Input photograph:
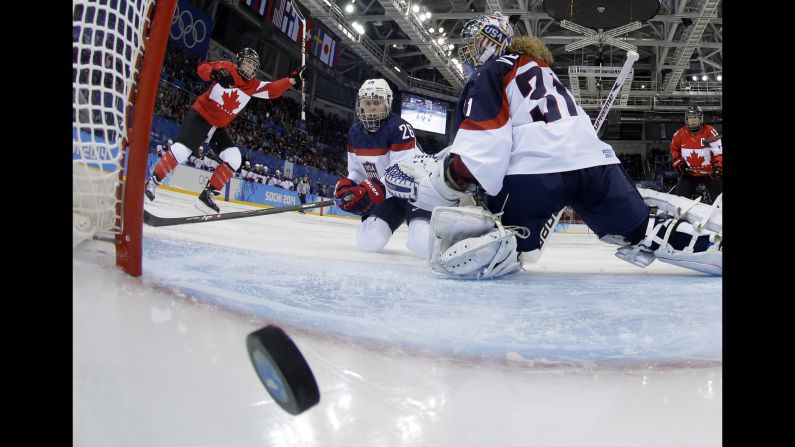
x,y
303,58
632,56
549,226
156,221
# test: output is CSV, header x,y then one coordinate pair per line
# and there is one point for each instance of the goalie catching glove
x,y
426,181
359,199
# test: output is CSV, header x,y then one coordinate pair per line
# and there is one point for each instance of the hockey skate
x,y
151,187
207,201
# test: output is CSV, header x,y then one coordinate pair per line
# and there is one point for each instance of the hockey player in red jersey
x,y
524,142
379,139
697,156
234,84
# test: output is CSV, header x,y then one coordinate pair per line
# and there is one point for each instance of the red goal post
x,y
118,50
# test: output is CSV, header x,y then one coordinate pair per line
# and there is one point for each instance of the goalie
x,y
524,141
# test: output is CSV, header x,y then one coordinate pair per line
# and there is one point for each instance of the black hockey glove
x,y
223,78
717,172
680,166
297,77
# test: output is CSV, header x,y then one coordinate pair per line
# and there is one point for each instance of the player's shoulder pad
x,y
392,122
397,120
355,127
502,65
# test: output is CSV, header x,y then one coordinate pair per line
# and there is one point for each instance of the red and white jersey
x,y
219,106
244,174
514,116
370,154
287,184
699,155
209,164
275,182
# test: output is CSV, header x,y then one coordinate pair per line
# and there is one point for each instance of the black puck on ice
x,y
282,369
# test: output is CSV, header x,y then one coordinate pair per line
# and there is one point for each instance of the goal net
x,y
117,54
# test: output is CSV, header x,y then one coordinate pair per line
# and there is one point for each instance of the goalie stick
x,y
549,226
157,221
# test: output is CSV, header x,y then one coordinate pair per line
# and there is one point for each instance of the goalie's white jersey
x,y
514,116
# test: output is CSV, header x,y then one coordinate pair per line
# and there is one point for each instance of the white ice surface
x,y
583,349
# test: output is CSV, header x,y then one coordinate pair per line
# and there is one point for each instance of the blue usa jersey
x,y
370,154
514,116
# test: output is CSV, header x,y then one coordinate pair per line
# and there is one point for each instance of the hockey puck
x,y
282,369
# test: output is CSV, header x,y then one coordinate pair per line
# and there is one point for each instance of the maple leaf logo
x,y
230,101
695,160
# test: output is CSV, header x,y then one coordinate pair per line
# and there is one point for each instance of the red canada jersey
x,y
219,106
699,155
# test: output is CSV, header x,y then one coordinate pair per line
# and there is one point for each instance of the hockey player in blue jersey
x,y
524,142
378,140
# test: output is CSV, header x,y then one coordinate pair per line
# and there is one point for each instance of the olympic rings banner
x,y
191,28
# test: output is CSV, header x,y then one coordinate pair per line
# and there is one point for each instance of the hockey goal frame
x,y
134,141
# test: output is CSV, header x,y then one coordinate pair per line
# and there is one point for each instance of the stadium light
x,y
719,78
349,8
430,30
398,70
441,29
358,27
695,78
415,8
704,78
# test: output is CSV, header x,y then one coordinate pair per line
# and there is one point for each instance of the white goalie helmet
x,y
484,37
374,103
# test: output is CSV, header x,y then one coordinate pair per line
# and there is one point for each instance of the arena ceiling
x,y
683,39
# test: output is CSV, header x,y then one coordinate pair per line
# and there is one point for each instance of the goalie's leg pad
x,y
373,234
488,256
676,242
452,224
465,242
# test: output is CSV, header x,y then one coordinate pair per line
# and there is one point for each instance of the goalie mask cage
x,y
117,54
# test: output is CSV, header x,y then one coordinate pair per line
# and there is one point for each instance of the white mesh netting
x,y
108,38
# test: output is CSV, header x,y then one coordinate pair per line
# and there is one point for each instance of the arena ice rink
x,y
581,350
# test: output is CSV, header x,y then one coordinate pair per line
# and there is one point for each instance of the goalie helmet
x,y
693,125
484,37
247,63
374,103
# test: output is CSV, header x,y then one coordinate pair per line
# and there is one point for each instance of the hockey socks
x,y
223,173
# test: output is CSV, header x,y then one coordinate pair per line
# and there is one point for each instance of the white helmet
x,y
484,37
374,89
